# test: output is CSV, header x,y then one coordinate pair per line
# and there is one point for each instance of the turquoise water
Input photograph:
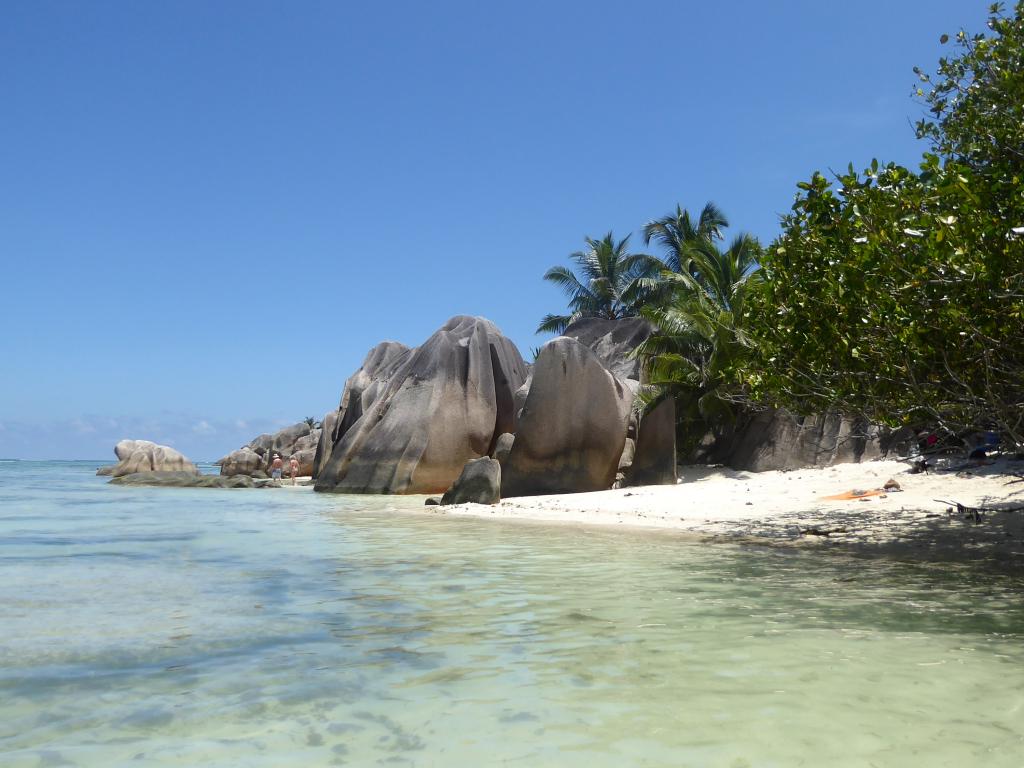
x,y
282,628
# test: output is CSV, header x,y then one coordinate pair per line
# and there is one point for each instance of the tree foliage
x,y
899,294
695,297
699,339
681,235
608,282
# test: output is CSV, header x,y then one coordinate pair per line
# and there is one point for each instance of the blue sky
x,y
210,211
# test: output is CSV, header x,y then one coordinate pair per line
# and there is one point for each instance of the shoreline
x,y
790,508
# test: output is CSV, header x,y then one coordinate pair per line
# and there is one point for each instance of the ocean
x,y
187,627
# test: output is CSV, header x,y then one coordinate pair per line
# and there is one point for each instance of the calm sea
x,y
276,628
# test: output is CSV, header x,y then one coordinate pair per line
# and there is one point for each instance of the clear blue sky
x,y
210,211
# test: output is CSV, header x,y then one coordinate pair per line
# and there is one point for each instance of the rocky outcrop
x,y
183,480
298,440
572,427
479,483
613,341
778,439
503,447
144,456
362,389
445,402
654,460
244,461
625,460
519,400
328,434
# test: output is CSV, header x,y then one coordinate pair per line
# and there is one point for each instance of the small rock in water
x,y
433,501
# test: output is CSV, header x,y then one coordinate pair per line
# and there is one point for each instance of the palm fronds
x,y
608,282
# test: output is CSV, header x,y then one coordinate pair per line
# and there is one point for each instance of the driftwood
x,y
815,531
975,513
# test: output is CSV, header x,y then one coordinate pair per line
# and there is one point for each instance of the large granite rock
x,y
145,456
777,439
244,461
445,403
613,341
328,434
572,429
654,460
503,447
519,400
183,480
479,483
362,389
298,440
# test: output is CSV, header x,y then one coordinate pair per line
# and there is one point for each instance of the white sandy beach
x,y
722,504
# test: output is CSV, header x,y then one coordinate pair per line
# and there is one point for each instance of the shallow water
x,y
269,628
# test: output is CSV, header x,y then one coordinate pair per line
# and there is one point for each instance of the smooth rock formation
x,y
328,435
572,429
145,456
628,451
445,403
626,459
479,483
778,439
613,341
519,400
183,480
654,461
244,461
503,446
362,389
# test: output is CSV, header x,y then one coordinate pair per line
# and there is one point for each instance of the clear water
x,y
276,628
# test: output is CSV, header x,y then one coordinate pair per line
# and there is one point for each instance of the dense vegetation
x,y
892,293
899,293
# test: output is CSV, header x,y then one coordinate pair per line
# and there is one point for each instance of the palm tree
x,y
680,235
610,282
699,336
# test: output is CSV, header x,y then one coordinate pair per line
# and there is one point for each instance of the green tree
x,y
699,340
976,100
680,235
899,294
608,282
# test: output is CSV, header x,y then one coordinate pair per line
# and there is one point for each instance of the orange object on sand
x,y
851,495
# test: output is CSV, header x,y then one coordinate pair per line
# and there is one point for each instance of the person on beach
x,y
275,467
293,465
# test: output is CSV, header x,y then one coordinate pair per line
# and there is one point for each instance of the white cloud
x,y
82,427
203,428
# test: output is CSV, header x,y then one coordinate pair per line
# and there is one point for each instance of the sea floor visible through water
x,y
185,627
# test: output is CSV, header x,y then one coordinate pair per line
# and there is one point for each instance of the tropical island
x,y
884,322
752,496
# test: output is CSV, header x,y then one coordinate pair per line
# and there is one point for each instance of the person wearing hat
x,y
275,467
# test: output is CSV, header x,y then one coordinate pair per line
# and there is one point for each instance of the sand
x,y
790,507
